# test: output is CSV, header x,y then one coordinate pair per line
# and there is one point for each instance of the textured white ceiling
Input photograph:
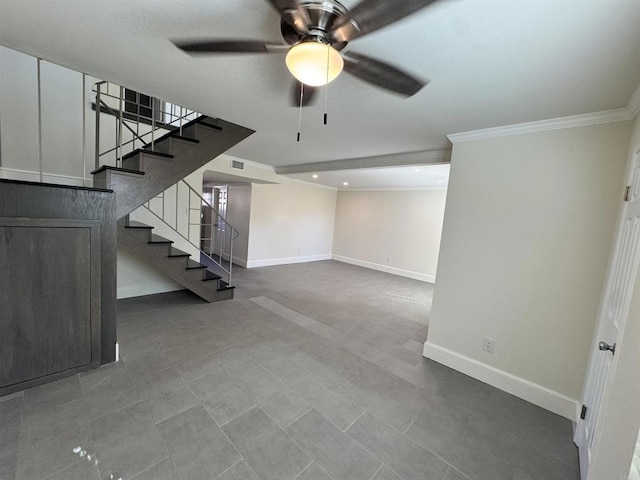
x,y
490,62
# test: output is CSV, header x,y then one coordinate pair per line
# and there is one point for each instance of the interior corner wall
x,y
395,231
290,223
528,231
635,132
239,217
137,278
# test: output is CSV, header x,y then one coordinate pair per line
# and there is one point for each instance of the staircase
x,y
146,172
158,251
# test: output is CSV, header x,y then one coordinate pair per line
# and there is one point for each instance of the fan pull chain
x,y
300,110
326,88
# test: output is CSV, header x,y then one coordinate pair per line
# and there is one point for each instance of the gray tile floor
x,y
314,372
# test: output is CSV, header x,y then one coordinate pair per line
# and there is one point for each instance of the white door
x,y
613,313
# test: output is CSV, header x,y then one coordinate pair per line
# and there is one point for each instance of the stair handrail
x,y
234,233
122,118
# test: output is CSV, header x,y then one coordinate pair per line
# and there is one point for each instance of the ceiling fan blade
x,y
382,74
308,95
228,46
293,14
371,15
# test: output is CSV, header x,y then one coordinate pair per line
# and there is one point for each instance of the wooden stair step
x,y
160,146
209,275
209,124
105,168
222,286
158,240
134,224
174,253
146,152
186,139
193,265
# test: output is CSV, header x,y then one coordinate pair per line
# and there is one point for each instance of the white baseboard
x,y
148,289
424,277
529,391
240,261
285,261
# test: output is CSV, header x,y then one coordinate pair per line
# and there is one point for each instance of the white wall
x,y
62,110
527,235
239,216
393,231
290,222
137,278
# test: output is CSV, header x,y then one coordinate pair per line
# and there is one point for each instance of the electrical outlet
x,y
488,344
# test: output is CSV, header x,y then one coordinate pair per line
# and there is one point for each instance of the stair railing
x,y
212,236
138,116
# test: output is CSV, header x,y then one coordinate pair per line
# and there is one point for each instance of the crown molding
x,y
606,116
396,160
634,103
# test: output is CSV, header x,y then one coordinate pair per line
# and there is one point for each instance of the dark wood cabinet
x,y
57,283
49,297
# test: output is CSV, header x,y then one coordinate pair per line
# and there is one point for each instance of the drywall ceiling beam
x,y
433,157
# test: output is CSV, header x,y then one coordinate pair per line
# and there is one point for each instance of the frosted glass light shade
x,y
308,63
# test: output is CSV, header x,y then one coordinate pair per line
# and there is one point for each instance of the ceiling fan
x,y
315,32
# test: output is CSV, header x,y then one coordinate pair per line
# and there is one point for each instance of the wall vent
x,y
237,164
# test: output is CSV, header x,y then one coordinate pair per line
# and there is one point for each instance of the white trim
x,y
148,289
31,176
424,277
634,103
240,261
529,391
606,116
286,261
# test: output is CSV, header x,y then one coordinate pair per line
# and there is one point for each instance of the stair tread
x,y
158,239
116,169
209,275
186,139
146,152
224,286
174,252
210,125
193,265
134,224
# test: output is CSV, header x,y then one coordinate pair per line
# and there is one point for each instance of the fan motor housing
x,y
323,15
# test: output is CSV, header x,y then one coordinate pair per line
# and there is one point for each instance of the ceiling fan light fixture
x,y
307,62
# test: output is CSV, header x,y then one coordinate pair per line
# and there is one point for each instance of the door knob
x,y
603,346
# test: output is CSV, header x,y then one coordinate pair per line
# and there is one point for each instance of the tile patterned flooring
x,y
314,372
